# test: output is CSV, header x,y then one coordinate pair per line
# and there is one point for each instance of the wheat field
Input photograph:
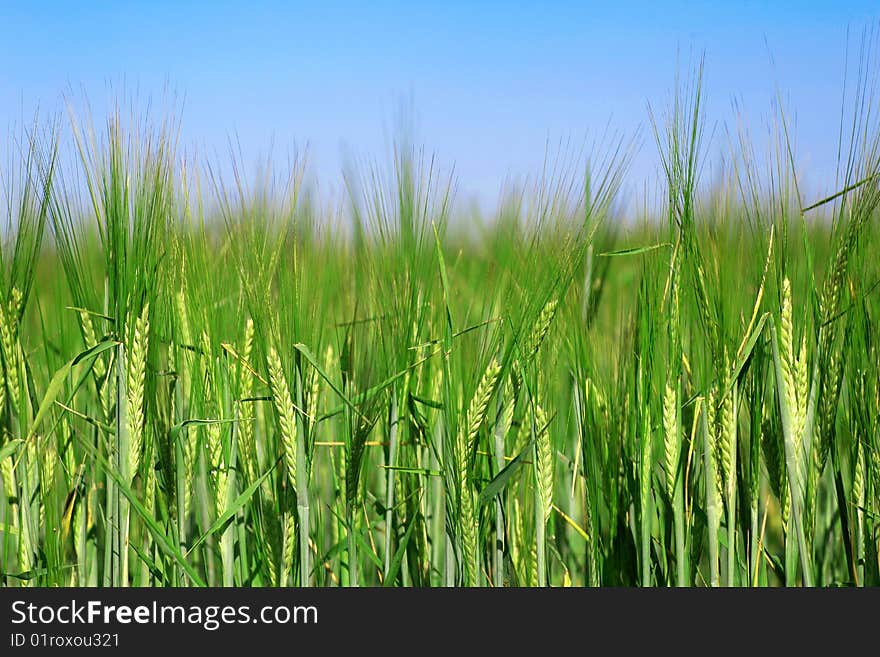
x,y
220,380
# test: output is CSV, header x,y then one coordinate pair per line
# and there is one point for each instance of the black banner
x,y
403,621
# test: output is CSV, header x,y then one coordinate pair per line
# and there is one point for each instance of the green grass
x,y
208,381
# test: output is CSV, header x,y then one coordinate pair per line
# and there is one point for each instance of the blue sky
x,y
490,84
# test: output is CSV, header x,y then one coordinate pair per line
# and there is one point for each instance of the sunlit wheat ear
x,y
792,409
16,301
476,412
787,362
150,486
540,329
875,470
467,437
858,485
469,529
727,443
7,473
813,461
214,430
803,386
786,505
543,461
246,386
671,437
829,394
532,564
33,451
289,540
9,314
136,366
28,483
25,555
285,409
671,429
830,301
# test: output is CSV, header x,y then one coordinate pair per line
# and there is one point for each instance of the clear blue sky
x,y
490,84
